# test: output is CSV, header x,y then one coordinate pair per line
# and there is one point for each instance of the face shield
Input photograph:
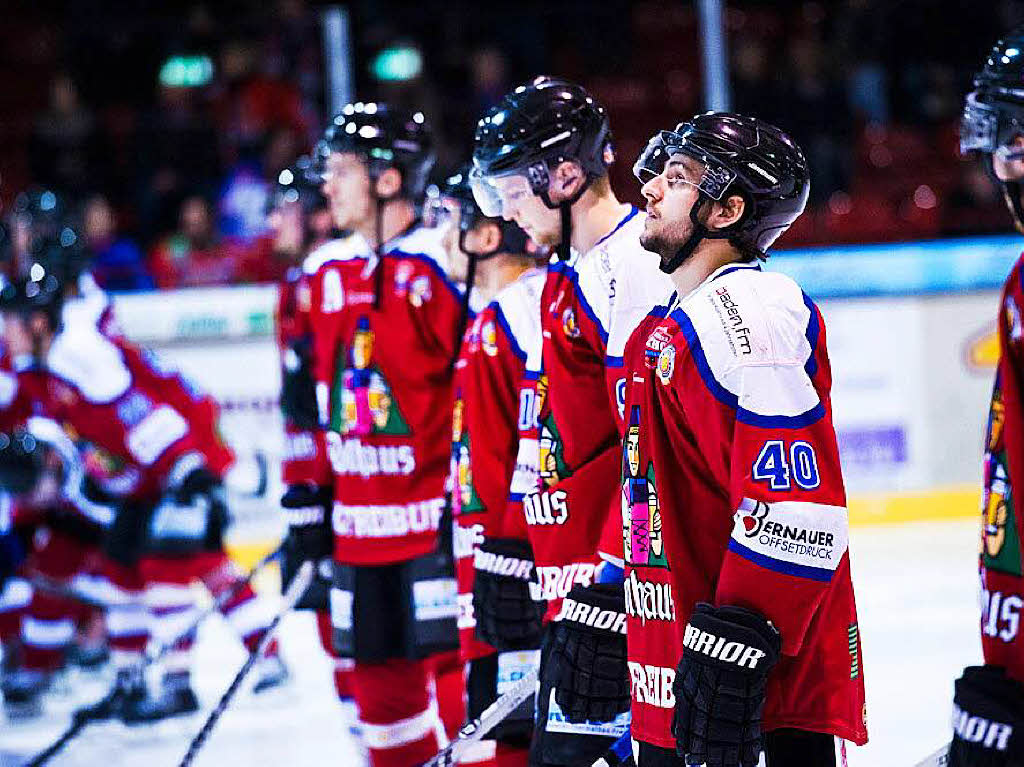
x,y
664,154
497,195
990,127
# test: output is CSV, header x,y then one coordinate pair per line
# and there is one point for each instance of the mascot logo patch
x,y
666,364
643,542
570,327
489,339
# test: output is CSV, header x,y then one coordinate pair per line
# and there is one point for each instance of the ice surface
x,y
917,595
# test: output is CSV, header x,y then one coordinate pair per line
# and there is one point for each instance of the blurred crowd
x,y
171,168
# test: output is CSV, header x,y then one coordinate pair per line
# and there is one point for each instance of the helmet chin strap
x,y
1011,192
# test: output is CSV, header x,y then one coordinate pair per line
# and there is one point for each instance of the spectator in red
x,y
197,255
117,263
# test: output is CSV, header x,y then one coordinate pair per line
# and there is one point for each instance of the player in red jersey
x,y
541,159
300,221
988,704
742,625
492,257
386,325
142,454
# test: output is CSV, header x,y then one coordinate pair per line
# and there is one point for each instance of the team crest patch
x,y
489,339
666,364
643,544
569,325
403,273
656,342
419,291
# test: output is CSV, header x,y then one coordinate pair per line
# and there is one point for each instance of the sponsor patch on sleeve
x,y
797,538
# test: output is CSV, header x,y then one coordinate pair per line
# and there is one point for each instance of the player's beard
x,y
665,244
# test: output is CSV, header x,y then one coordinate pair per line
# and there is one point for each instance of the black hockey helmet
x,y
457,191
299,183
385,137
994,112
21,461
41,290
534,128
741,155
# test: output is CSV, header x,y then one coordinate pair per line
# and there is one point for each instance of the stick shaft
x,y
298,586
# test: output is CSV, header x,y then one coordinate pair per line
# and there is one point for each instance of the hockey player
x,y
988,704
494,259
297,205
386,327
742,625
143,452
541,159
65,552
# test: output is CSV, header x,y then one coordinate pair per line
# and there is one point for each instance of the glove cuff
x,y
507,557
599,606
732,638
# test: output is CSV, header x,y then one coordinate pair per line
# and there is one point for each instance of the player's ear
x,y
487,237
724,213
389,183
566,180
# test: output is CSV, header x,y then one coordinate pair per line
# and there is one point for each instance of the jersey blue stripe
x,y
573,276
531,375
779,566
516,496
613,362
729,399
499,315
813,331
632,212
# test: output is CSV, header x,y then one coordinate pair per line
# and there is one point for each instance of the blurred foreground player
x,y
492,257
988,704
734,512
386,323
541,159
149,457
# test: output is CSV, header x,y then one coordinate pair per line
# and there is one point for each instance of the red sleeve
x,y
1001,565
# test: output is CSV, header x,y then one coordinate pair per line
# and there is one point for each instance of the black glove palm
x,y
720,686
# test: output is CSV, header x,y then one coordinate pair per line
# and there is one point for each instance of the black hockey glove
x,y
988,719
298,392
720,685
507,616
192,516
586,654
308,511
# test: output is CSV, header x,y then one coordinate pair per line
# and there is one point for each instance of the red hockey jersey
x,y
305,450
731,493
1001,565
485,433
385,392
588,309
112,401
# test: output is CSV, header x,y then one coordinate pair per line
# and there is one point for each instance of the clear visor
x,y
991,129
497,196
667,153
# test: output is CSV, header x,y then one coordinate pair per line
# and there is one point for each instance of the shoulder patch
x,y
94,365
752,335
342,249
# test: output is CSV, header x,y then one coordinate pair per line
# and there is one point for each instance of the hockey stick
x,y
155,653
491,716
101,710
295,590
937,759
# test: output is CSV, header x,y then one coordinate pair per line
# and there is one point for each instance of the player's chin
x,y
654,243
